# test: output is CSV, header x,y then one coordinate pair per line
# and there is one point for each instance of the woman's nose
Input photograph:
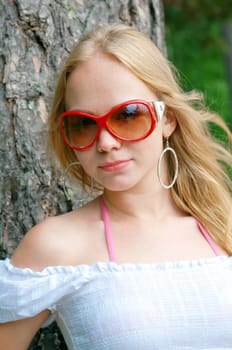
x,y
107,142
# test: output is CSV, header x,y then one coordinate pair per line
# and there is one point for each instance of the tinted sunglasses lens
x,y
131,122
79,130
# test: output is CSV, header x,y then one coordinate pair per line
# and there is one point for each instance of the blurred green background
x,y
197,46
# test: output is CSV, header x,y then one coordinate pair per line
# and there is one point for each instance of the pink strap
x,y
108,232
109,240
209,239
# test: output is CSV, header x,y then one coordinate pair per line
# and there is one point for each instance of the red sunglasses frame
x,y
156,109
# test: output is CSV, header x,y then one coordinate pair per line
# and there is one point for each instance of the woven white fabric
x,y
107,306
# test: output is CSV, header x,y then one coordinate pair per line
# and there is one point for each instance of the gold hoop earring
x,y
165,150
68,191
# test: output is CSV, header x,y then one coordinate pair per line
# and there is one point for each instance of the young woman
x,y
147,264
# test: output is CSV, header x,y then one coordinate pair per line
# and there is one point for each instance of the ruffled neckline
x,y
108,266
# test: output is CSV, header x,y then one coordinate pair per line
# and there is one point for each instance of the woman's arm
x,y
18,335
33,252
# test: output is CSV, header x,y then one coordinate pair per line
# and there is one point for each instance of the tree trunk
x,y
35,37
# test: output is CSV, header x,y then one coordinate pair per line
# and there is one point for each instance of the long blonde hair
x,y
203,188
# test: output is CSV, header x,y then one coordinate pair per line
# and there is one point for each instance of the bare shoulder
x,y
193,232
58,240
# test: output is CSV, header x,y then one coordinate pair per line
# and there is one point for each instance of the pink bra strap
x,y
109,240
209,239
108,232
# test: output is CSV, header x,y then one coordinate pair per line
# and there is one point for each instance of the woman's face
x,y
95,87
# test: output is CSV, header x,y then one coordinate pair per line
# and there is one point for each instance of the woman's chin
x,y
119,187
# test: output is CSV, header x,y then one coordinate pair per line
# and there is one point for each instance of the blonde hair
x,y
203,187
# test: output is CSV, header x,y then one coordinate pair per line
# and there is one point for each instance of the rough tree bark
x,y
35,37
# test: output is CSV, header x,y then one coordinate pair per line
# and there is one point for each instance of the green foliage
x,y
196,47
198,10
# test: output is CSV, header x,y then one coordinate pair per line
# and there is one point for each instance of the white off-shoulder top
x,y
181,305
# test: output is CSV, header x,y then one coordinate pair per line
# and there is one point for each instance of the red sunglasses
x,y
130,121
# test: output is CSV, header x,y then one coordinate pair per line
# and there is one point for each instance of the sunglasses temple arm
x,y
159,108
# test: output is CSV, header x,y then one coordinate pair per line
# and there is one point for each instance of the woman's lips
x,y
114,166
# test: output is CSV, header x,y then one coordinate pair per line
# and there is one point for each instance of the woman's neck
x,y
153,204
